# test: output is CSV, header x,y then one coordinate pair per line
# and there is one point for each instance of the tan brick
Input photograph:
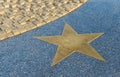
x,y
19,16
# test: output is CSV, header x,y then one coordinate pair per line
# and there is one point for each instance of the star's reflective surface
x,y
70,42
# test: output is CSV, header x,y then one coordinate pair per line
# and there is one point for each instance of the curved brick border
x,y
19,16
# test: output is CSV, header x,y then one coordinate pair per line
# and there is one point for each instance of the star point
x,y
70,42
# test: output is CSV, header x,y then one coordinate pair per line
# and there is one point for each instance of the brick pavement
x,y
19,16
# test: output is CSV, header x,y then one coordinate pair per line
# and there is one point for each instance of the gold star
x,y
71,42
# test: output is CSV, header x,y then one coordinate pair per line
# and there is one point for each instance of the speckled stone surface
x,y
25,56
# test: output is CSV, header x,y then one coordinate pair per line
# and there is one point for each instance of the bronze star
x,y
70,42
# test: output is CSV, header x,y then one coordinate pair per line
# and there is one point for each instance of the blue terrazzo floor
x,y
25,56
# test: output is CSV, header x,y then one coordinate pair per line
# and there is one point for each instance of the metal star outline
x,y
70,42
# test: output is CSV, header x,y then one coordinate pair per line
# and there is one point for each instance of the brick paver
x,y
19,16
